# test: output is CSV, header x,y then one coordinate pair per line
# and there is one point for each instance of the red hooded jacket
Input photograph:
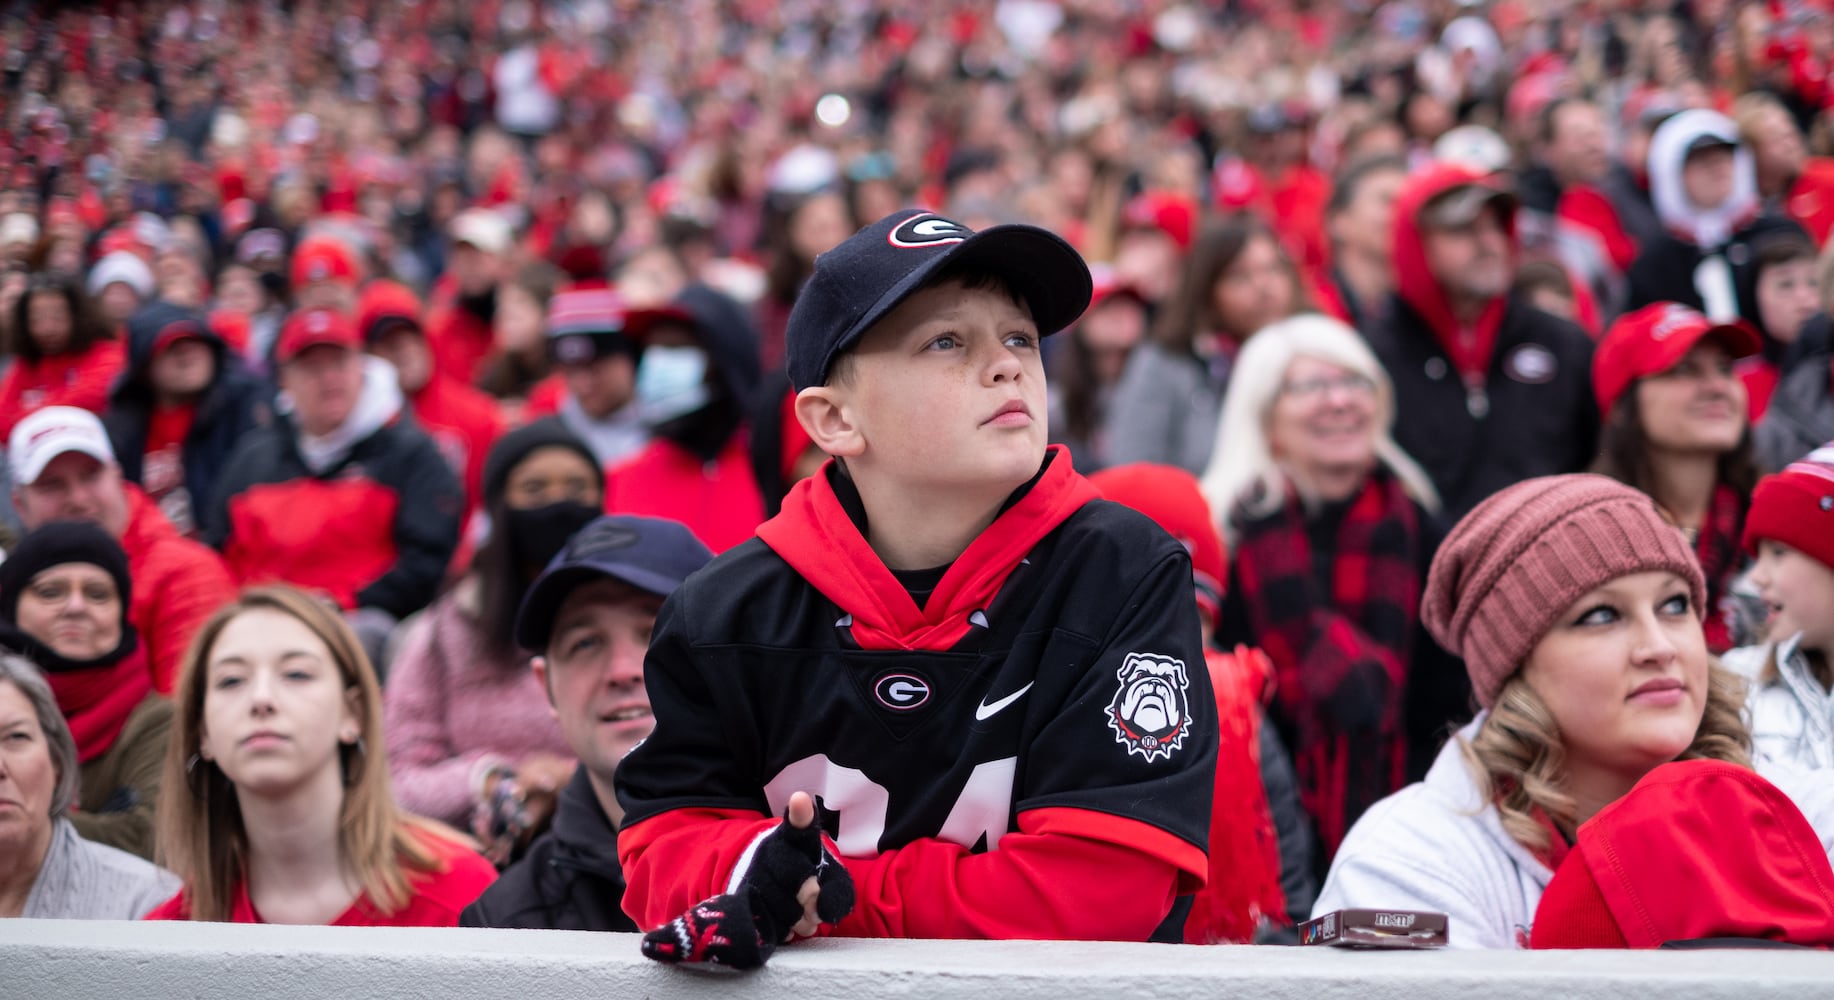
x,y
1469,348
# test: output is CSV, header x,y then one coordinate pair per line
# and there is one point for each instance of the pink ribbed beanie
x,y
1519,559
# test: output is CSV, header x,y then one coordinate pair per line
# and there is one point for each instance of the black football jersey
x,y
1080,686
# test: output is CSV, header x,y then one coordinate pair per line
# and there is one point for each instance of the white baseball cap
x,y
483,229
45,434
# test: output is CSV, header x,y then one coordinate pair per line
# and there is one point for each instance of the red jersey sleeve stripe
x,y
1192,864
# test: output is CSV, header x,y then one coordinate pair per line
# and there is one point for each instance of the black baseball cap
x,y
649,553
871,272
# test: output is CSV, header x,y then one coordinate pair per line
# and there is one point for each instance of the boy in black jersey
x,y
990,681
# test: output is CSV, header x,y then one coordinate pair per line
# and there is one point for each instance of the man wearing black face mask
x,y
695,383
470,738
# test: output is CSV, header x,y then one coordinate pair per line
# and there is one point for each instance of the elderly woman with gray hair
x,y
46,869
1330,528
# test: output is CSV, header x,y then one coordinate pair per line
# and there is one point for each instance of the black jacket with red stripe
x,y
375,530
1030,755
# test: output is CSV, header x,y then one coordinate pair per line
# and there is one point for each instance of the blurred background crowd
x,y
386,298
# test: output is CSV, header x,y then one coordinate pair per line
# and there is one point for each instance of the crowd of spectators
x,y
386,301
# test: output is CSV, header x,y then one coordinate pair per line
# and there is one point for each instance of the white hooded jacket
x,y
1791,715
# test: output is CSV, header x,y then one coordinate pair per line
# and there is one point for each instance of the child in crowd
x,y
278,807
1577,609
1791,533
982,678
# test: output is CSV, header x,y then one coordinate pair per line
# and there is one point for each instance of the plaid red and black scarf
x,y
1340,658
1718,549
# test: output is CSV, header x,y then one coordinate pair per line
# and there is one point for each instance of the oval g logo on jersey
x,y
901,692
927,231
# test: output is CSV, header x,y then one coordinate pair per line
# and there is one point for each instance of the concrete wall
x,y
52,960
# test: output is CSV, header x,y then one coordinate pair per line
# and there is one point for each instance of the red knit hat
x,y
1654,339
1172,498
1519,559
1796,507
1698,849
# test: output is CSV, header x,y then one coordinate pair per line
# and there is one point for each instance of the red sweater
x,y
717,500
436,898
80,380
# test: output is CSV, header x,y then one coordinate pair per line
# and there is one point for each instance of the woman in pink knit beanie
x,y
1577,609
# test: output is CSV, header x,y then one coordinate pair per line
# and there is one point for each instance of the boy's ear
x,y
826,413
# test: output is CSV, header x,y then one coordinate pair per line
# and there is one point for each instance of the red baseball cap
x,y
1171,214
322,258
1654,339
385,305
312,327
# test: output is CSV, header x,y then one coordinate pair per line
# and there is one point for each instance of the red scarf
x,y
1718,549
822,544
1340,658
97,701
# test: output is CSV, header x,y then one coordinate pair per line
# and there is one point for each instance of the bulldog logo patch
x,y
1150,714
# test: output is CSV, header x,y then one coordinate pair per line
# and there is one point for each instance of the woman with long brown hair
x,y
1236,281
65,353
1676,428
279,808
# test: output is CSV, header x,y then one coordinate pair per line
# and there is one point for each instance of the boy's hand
x,y
792,886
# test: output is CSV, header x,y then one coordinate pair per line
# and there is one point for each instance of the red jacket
x,y
178,585
1244,886
718,500
464,423
460,340
1811,199
436,898
545,398
80,380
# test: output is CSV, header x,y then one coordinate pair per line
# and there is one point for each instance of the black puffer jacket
x,y
1537,416
570,879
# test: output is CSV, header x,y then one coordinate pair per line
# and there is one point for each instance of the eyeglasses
x,y
1315,388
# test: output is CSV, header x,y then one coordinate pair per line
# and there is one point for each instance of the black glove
x,y
740,930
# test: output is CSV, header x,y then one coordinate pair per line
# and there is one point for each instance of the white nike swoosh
x,y
986,711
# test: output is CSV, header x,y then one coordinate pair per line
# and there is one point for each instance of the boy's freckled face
x,y
948,389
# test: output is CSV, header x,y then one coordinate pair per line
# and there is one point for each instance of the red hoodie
x,y
178,585
717,500
1470,347
1064,870
460,340
80,380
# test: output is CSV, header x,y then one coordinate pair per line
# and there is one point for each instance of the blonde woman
x,y
278,807
1578,610
1331,528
